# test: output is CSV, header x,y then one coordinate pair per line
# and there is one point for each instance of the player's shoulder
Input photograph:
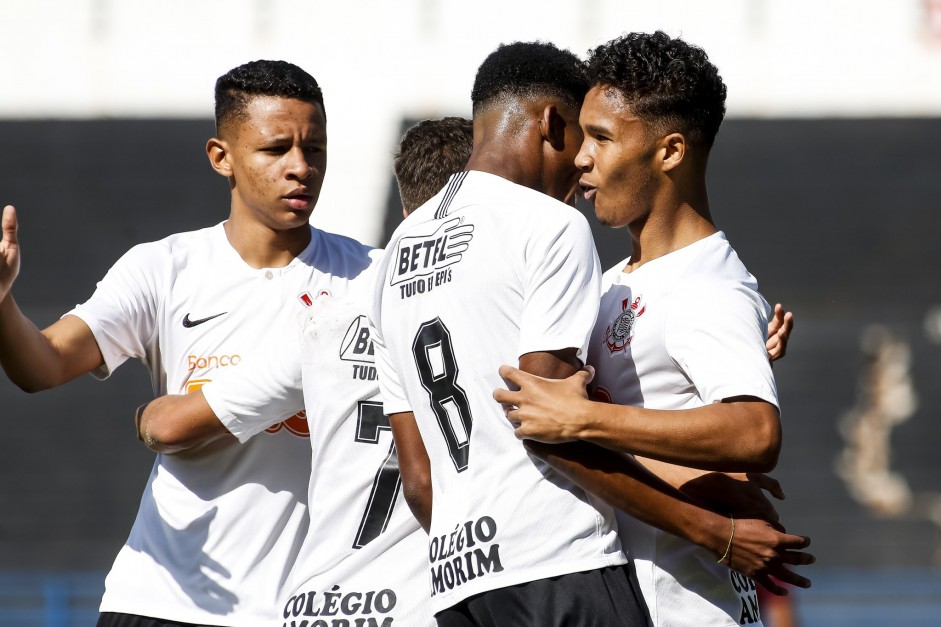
x,y
337,242
713,261
501,192
338,255
716,278
176,247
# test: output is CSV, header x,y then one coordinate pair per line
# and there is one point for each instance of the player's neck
x,y
497,160
503,147
672,224
262,247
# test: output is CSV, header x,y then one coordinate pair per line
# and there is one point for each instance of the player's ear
x,y
672,150
218,152
552,127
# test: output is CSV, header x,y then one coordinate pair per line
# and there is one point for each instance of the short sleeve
x,y
390,387
563,287
247,400
122,312
716,335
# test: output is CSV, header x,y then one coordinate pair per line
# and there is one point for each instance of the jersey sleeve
x,y
563,287
249,399
122,312
390,387
716,334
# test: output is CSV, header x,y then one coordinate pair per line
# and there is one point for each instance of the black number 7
x,y
370,422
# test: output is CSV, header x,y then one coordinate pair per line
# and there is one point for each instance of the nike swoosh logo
x,y
192,323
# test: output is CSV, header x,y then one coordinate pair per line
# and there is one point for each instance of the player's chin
x,y
289,220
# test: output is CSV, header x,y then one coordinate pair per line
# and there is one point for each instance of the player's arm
x,y
237,404
741,434
176,423
37,360
759,550
756,548
737,494
414,466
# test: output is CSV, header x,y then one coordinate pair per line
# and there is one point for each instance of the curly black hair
x,y
429,153
530,69
262,78
667,82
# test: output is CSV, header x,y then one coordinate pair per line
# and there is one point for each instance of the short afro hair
x,y
262,78
530,69
429,153
668,83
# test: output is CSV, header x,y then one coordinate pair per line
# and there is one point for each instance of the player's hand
x,y
545,410
737,494
762,551
779,331
9,252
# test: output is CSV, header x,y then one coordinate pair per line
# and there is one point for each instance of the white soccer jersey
x,y
217,530
679,332
483,273
364,555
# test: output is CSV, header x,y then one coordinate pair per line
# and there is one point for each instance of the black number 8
x,y
440,381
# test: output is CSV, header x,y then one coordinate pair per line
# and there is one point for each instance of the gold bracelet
x,y
138,415
728,549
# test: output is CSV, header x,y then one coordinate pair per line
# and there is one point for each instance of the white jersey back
x,y
217,530
364,555
679,332
483,273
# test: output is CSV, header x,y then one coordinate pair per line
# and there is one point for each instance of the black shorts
x,y
112,619
606,597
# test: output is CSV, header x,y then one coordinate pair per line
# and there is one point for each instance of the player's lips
x,y
298,199
588,191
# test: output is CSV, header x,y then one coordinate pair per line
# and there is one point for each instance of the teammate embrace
x,y
252,517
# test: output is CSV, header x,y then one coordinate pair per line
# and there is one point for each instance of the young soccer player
x,y
219,525
681,370
363,556
496,266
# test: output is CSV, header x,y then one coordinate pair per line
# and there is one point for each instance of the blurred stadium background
x,y
826,176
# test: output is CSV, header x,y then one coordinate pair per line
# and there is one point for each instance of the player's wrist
x,y
588,423
714,533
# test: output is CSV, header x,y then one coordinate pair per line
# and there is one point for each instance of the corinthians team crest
x,y
619,334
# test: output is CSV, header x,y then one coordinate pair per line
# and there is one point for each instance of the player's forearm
x,y
28,356
418,498
551,364
740,436
676,476
414,466
624,483
174,423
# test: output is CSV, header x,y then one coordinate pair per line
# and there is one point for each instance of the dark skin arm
x,y
414,466
760,549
